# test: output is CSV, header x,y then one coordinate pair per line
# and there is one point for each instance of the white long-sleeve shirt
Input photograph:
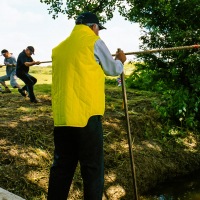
x,y
103,56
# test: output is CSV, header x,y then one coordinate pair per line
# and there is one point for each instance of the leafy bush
x,y
146,79
111,81
179,83
180,106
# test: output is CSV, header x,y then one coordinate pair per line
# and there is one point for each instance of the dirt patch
x,y
26,146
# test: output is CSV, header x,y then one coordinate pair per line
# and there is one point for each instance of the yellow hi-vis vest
x,y
77,79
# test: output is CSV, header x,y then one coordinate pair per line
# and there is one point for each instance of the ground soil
x,y
160,153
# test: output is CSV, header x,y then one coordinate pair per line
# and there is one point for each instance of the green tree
x,y
165,23
170,23
103,8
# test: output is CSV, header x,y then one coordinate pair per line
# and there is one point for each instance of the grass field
x,y
26,143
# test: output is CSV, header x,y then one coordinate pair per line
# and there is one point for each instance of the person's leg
x,y
29,87
65,162
2,81
13,80
91,159
34,80
14,84
29,81
22,91
24,88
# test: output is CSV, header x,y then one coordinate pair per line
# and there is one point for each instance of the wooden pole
x,y
129,137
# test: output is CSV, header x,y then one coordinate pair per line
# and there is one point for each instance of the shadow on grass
x,y
26,146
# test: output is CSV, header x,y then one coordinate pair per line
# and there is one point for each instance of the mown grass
x,y
26,143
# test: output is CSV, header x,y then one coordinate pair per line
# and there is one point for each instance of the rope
x,y
196,46
46,62
164,49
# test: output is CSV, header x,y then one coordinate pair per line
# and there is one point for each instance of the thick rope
x,y
150,51
164,49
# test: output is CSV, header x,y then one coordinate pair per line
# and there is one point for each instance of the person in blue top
x,y
10,63
24,61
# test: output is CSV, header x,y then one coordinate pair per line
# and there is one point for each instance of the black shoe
x,y
22,92
35,101
6,90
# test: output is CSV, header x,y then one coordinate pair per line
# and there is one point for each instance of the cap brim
x,y
101,27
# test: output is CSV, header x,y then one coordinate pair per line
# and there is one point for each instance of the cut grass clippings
x,y
26,144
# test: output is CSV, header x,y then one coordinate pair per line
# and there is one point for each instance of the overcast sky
x,y
27,22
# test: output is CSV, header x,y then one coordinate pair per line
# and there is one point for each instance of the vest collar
x,y
84,29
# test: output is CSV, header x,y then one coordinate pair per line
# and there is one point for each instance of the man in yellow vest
x,y
79,65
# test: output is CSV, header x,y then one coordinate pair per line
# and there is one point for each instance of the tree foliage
x,y
165,23
170,23
103,8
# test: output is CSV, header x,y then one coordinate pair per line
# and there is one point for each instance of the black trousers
x,y
73,144
30,81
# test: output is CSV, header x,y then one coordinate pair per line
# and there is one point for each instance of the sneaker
x,y
6,90
22,92
35,101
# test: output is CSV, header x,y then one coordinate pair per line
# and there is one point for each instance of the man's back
x,y
78,80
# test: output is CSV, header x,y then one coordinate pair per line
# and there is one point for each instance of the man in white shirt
x,y
79,65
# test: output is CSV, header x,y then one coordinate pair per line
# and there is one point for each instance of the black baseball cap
x,y
31,49
4,51
88,17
